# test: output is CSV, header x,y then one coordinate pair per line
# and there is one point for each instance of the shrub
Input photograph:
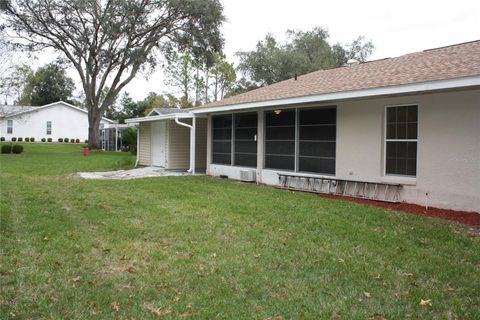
x,y
86,140
49,140
77,140
27,139
32,139
2,138
65,139
17,148
7,148
43,139
14,139
72,140
60,139
20,139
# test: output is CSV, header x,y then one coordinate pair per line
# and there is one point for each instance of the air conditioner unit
x,y
248,175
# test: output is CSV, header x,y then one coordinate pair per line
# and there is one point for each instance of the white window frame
x,y
9,126
396,177
49,122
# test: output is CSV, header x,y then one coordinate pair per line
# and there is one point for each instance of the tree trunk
x,y
94,118
206,86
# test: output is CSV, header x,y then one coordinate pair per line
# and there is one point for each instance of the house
x,y
55,120
409,124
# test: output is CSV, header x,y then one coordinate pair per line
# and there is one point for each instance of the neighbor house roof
x,y
459,61
12,111
8,110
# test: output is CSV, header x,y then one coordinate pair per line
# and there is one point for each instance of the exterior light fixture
x,y
277,112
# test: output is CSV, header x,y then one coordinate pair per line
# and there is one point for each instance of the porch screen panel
x,y
317,140
245,140
280,139
222,139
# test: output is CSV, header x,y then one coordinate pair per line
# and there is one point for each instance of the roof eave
x,y
170,116
456,83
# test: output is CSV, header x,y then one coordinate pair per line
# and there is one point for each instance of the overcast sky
x,y
395,27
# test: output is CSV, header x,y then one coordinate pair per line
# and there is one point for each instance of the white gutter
x,y
464,82
192,142
171,116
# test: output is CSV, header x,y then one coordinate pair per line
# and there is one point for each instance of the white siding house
x,y
411,124
55,120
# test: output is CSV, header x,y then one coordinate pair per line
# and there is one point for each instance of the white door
x,y
159,130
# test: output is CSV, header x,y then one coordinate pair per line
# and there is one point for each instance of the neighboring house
x,y
412,121
55,120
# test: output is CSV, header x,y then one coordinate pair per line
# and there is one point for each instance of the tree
x,y
48,84
109,42
302,52
13,81
180,74
223,74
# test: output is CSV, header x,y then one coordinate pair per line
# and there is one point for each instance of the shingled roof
x,y
455,61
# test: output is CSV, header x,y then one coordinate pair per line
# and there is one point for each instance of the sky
x,y
394,27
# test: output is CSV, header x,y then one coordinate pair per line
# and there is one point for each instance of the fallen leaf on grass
x,y
335,315
131,269
448,289
377,316
77,279
213,269
427,302
367,294
159,312
54,299
408,274
45,238
341,260
115,306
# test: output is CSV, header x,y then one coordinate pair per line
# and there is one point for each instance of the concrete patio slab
x,y
137,173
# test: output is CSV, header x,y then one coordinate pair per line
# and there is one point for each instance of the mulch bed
x,y
470,218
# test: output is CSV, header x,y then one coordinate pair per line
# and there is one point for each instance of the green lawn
x,y
181,247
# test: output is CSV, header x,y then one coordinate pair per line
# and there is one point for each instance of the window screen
x,y
49,127
280,139
401,140
222,139
317,140
245,140
9,126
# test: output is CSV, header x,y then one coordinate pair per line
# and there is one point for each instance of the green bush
x,y
14,139
2,138
7,148
27,139
86,140
65,139
72,140
129,137
44,140
20,139
77,140
17,148
60,139
32,139
49,140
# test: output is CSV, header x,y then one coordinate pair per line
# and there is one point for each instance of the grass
x,y
181,247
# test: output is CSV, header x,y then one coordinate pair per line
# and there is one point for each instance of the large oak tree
x,y
109,42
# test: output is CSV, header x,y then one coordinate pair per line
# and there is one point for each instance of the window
x,y
222,139
280,139
317,140
245,137
401,140
49,127
9,126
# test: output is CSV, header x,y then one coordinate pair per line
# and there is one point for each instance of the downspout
x,y
192,142
138,145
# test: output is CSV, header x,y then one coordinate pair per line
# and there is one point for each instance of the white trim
x,y
171,116
51,105
463,82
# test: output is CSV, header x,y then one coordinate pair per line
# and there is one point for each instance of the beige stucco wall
x,y
448,148
144,158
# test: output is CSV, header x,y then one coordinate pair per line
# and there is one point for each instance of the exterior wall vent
x,y
248,175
